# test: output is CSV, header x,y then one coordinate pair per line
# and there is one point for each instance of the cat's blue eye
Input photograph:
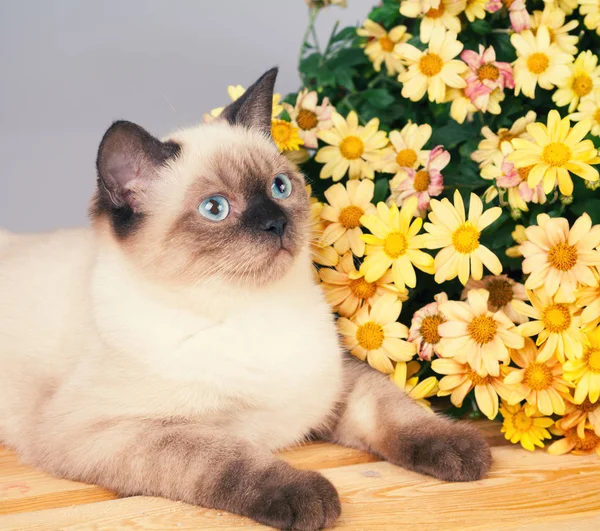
x,y
215,208
281,187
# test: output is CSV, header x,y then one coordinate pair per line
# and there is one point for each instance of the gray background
x,y
68,68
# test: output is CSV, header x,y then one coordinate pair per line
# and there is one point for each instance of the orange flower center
x,y
406,158
504,135
586,406
562,256
501,292
582,85
490,72
586,445
362,289
538,377
350,216
395,244
465,239
507,3
476,379
352,147
429,328
524,172
307,120
537,63
482,329
370,335
387,44
556,318
436,13
592,359
597,116
522,422
430,64
421,183
556,154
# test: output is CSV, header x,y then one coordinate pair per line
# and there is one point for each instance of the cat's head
x,y
217,201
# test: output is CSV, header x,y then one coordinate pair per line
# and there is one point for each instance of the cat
x,y
169,349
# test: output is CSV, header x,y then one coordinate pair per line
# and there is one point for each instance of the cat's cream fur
x,y
126,363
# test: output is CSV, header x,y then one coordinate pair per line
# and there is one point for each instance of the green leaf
x,y
379,97
347,57
591,206
481,27
310,65
382,190
344,76
452,134
344,34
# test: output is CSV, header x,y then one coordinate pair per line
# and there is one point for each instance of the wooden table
x,y
525,491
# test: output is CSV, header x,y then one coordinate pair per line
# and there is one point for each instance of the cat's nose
x,y
275,226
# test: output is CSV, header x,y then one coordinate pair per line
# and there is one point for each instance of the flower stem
x,y
312,16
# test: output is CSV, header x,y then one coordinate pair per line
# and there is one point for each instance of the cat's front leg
x,y
377,416
188,462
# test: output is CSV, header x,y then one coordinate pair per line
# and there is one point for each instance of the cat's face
x,y
213,202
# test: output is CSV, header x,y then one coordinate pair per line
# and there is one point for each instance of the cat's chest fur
x,y
270,366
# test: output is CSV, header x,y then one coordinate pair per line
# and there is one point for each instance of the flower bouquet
x,y
450,147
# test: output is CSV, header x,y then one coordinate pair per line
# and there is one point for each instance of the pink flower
x,y
519,17
424,328
486,75
425,183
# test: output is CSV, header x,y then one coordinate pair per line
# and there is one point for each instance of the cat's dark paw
x,y
300,500
448,451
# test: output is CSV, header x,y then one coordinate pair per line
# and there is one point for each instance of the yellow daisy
x,y
519,236
460,379
568,6
375,335
442,17
353,148
556,150
380,46
572,442
347,204
235,92
580,416
520,427
432,70
462,108
286,136
346,291
541,384
590,9
556,325
503,290
462,254
321,254
475,9
538,62
583,81
585,372
406,149
588,299
495,145
405,378
589,110
554,19
557,257
474,335
394,242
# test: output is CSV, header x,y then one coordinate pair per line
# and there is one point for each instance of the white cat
x,y
169,349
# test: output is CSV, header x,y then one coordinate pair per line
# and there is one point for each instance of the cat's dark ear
x,y
128,162
254,108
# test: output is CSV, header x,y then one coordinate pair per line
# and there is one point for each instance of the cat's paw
x,y
300,500
448,451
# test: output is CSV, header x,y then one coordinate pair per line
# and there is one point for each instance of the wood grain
x,y
531,491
